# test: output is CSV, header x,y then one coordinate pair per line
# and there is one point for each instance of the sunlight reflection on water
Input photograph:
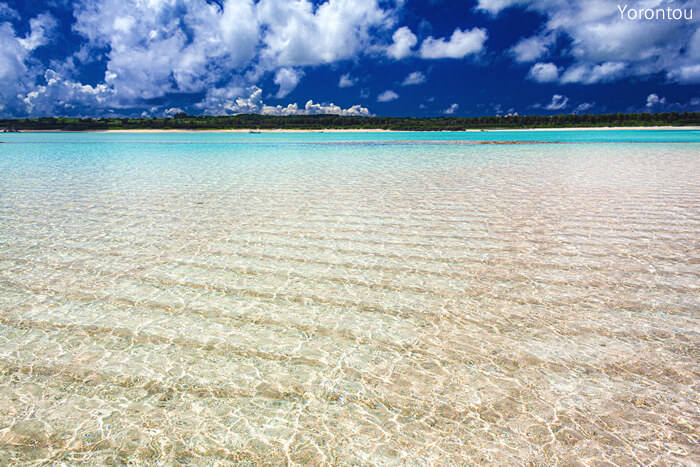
x,y
366,303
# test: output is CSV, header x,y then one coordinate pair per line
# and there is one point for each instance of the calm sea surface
x,y
378,298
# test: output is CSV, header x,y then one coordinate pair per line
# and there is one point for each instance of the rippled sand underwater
x,y
349,303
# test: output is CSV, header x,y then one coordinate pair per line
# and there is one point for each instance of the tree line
x,y
184,121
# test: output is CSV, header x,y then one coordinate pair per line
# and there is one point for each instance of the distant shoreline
x,y
256,123
370,130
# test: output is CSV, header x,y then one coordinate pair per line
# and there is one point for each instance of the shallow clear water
x,y
285,298
642,135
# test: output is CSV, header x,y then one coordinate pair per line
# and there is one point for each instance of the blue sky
x,y
351,57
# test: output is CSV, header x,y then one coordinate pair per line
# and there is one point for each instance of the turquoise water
x,y
291,298
638,136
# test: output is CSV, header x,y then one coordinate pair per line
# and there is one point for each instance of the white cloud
x,y
40,27
656,103
231,100
694,46
236,27
65,97
498,109
495,6
346,81
531,48
387,96
154,48
234,100
451,109
461,44
558,102
689,74
157,47
654,100
8,13
173,111
15,52
590,74
18,68
331,109
12,55
583,107
299,34
604,46
404,40
287,79
544,72
413,78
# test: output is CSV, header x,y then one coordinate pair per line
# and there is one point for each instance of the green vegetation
x,y
317,122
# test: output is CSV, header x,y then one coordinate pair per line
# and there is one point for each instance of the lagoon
x,y
361,298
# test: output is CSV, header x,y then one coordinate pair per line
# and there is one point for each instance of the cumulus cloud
x,y
18,68
656,103
41,28
459,45
413,78
654,100
603,46
584,107
287,79
558,102
346,81
590,74
66,97
234,100
498,110
172,111
331,109
689,74
156,48
531,48
694,46
451,109
7,13
387,96
150,50
544,72
299,34
231,100
13,54
495,6
404,40
159,47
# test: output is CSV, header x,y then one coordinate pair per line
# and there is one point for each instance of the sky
x,y
419,58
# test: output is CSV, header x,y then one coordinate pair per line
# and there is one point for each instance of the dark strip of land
x,y
183,121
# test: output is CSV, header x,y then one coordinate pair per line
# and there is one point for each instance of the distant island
x,y
183,121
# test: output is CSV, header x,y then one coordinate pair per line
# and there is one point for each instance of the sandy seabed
x,y
349,304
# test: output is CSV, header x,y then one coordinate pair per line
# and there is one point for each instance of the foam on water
x,y
371,303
